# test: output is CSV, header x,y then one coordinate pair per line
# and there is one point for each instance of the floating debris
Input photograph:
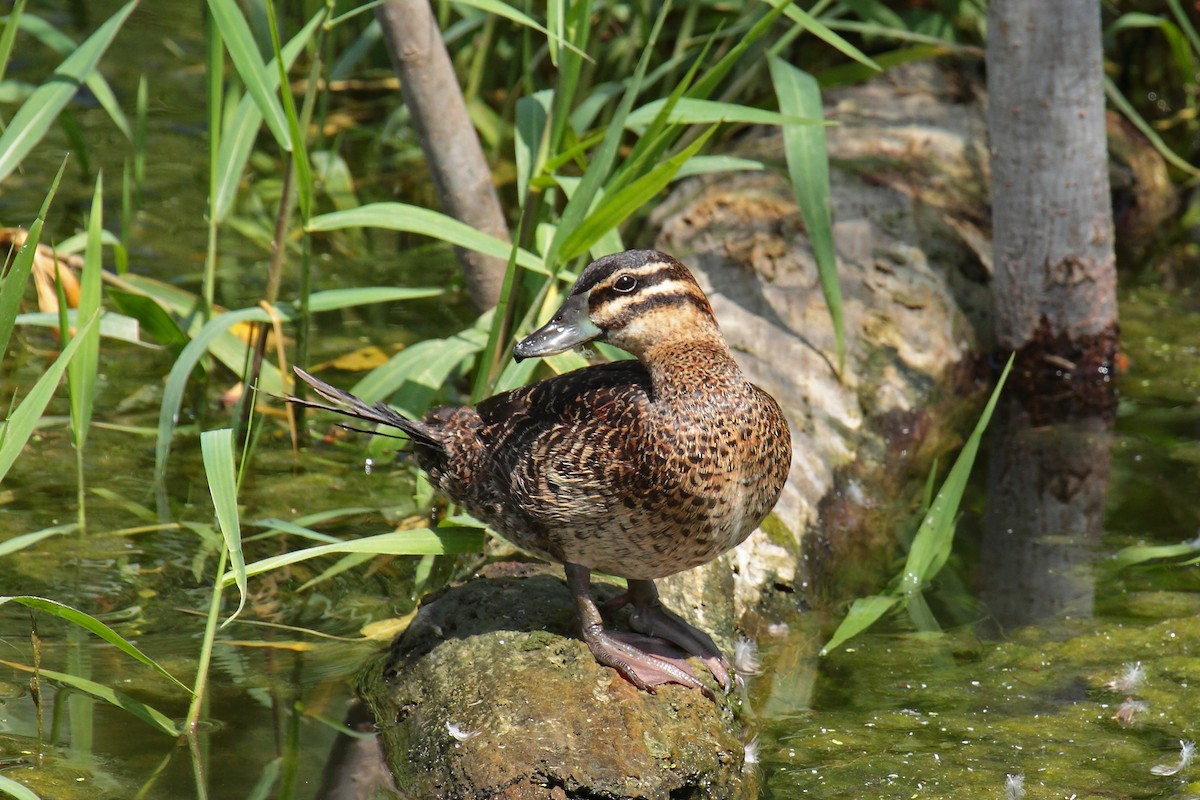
x,y
1014,786
458,733
1126,711
1129,681
745,657
1187,751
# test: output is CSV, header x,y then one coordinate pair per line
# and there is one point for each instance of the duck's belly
x,y
632,538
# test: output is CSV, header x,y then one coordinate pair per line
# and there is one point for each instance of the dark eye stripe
x,y
656,302
608,293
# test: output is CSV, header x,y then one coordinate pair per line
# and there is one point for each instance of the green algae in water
x,y
952,717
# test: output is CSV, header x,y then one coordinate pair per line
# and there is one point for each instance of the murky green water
x,y
893,716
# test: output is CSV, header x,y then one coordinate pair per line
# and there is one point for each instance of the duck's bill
x,y
569,328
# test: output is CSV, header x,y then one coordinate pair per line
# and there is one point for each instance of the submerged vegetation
x,y
587,114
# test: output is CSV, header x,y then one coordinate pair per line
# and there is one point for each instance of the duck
x,y
638,468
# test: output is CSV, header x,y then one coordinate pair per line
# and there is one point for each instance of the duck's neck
x,y
684,367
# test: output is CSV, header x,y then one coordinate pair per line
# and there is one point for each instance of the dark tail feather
x,y
379,413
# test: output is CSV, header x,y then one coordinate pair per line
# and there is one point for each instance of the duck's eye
x,y
625,283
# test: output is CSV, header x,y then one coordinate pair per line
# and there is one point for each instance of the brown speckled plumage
x,y
639,469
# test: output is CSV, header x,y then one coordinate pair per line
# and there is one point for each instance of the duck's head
x,y
634,300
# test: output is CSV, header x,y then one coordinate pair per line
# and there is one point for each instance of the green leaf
x,y
151,716
333,299
818,29
1142,554
864,612
95,626
18,790
513,15
81,373
217,448
808,165
12,285
10,35
38,112
617,207
18,543
64,45
1117,98
689,111
110,326
418,542
935,537
414,219
413,377
17,429
261,80
238,135
602,162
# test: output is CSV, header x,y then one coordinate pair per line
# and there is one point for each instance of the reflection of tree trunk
x,y
460,172
1055,274
1045,510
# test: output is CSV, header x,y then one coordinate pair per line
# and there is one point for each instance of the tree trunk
x,y
460,172
1055,274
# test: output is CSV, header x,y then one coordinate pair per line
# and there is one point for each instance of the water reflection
x,y
1046,490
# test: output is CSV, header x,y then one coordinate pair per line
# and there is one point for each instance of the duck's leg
x,y
645,661
652,618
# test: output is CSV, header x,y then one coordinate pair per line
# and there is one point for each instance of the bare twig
x,y
460,172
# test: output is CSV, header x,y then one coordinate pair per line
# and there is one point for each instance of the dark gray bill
x,y
569,327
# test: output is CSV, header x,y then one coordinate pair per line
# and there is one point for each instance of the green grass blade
x,y
1117,98
819,29
689,111
94,626
81,373
18,543
864,612
217,449
601,164
216,331
181,370
513,15
148,714
20,426
300,162
414,219
1185,24
17,790
40,109
619,206
412,378
532,114
706,165
333,299
708,83
935,537
12,285
64,45
257,77
447,540
808,165
237,137
10,35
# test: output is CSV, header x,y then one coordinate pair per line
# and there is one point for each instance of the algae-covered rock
x,y
492,696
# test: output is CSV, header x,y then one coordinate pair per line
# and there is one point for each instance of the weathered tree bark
x,y
460,172
1055,280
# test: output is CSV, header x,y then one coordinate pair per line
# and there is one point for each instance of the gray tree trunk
x,y
1055,275
455,158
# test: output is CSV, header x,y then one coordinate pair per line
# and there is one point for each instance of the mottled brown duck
x,y
638,469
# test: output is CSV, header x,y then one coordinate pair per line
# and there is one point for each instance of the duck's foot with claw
x,y
654,656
